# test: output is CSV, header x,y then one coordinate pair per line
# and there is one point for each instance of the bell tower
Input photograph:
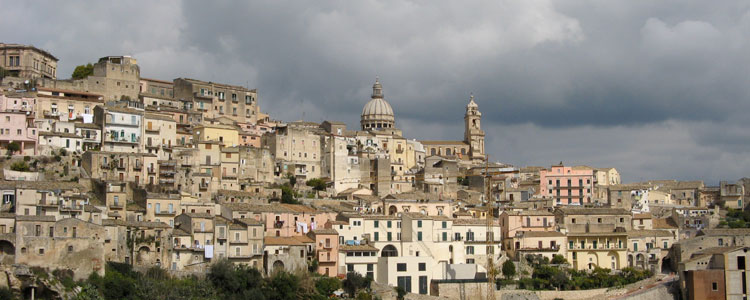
x,y
473,134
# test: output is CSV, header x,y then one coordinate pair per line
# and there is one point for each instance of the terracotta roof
x,y
199,215
726,231
325,231
60,134
283,241
542,212
667,223
357,248
40,185
648,233
35,218
87,125
249,221
593,211
642,216
125,110
540,234
473,221
148,224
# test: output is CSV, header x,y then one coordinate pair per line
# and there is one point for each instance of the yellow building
x,y
597,237
228,135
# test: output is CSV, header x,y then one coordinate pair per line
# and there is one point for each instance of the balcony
x,y
47,203
203,186
112,139
71,207
152,130
151,170
167,163
229,177
166,147
222,235
168,173
137,167
151,146
238,242
116,206
166,180
278,224
164,213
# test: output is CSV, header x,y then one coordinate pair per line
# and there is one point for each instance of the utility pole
x,y
490,233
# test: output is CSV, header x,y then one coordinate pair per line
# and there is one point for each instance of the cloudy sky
x,y
657,89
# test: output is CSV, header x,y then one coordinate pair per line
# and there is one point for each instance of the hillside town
x,y
182,173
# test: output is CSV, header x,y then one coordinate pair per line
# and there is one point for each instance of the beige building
x,y
160,134
27,61
597,237
139,168
216,100
297,150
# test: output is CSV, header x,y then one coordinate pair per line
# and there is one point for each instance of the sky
x,y
656,89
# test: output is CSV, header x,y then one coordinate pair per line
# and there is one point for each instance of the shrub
x,y
509,269
58,158
26,158
20,166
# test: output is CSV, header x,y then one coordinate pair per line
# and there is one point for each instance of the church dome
x,y
377,113
377,107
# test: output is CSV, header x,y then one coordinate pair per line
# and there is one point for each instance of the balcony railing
x,y
151,170
203,186
278,224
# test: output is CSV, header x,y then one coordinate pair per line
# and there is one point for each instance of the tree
x,y
558,259
287,195
6,293
317,184
283,286
83,71
509,269
327,285
353,282
13,147
292,179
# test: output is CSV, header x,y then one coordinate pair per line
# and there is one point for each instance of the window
x,y
419,224
388,224
419,236
70,249
376,237
740,263
469,250
349,267
714,286
422,266
445,224
389,236
51,231
445,236
401,267
721,242
376,224
41,251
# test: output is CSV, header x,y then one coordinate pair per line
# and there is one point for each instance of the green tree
x,y
235,281
283,286
292,179
327,285
13,147
509,269
558,259
287,195
317,184
83,71
353,282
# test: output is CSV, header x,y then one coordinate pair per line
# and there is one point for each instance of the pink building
x,y
17,123
566,185
527,220
326,250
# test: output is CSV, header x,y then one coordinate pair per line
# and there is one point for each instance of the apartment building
x,y
567,185
122,128
216,100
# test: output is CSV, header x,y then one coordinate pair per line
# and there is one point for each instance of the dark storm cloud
x,y
658,89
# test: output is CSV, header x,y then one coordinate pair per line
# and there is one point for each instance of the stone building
x,y
114,77
215,100
597,237
296,148
122,128
139,168
27,61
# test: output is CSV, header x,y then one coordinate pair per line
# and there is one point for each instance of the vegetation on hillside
x,y
224,280
736,219
547,276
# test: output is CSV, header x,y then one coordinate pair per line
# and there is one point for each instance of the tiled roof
x,y
648,233
35,218
593,211
40,185
667,223
325,231
357,248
